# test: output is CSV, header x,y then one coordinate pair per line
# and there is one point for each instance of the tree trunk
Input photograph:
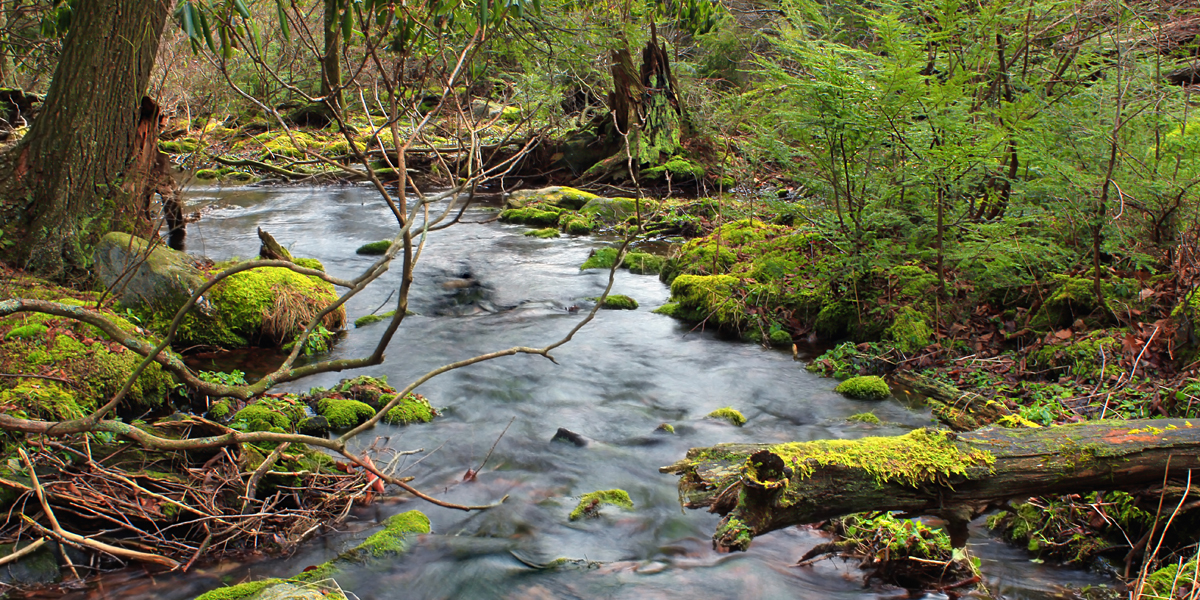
x,y
331,66
760,488
90,162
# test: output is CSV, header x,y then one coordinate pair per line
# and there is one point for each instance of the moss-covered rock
x,y
678,168
343,413
269,412
590,504
864,418
413,408
31,331
1082,355
867,387
547,233
536,217
558,196
644,263
374,248
708,298
601,258
729,415
611,211
910,331
619,302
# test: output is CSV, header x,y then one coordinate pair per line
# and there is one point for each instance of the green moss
x,y
207,174
867,387
670,309
244,303
344,414
396,537
728,414
911,459
45,400
240,591
589,504
531,216
644,263
619,302
293,146
910,331
547,233
678,167
665,428
709,298
601,258
374,248
310,263
219,410
181,146
263,415
26,332
365,320
413,408
1082,356
864,418
733,533
834,319
1167,581
578,225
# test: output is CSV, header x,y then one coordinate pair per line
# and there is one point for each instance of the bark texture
x,y
761,488
90,162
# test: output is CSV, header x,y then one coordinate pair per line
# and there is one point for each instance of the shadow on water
x,y
482,286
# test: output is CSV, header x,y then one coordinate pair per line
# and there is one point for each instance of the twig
x,y
23,551
489,454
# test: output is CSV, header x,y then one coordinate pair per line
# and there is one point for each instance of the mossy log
x,y
763,487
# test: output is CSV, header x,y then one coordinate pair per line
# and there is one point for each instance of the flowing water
x,y
482,286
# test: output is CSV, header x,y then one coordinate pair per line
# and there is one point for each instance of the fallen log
x,y
959,410
763,487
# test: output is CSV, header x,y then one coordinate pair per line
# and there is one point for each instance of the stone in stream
x,y
566,435
158,278
40,567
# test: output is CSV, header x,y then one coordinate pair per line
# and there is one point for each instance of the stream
x,y
483,286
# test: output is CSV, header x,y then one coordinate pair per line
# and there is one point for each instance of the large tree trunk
x,y
761,488
90,162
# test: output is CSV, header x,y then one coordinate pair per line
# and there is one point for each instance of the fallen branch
x,y
760,488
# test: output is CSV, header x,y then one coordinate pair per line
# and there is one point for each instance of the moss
x,y
263,415
1165,582
45,400
912,459
240,591
271,304
219,410
867,387
589,504
547,233
531,216
616,210
374,248
344,414
1082,356
578,225
709,298
207,174
619,302
644,263
26,332
864,418
181,146
670,309
413,408
310,263
601,258
728,414
665,428
733,533
678,167
834,319
910,331
294,146
365,320
396,536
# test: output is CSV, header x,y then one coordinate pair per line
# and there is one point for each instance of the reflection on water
x,y
482,286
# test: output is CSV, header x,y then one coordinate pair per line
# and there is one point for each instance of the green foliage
x,y
374,248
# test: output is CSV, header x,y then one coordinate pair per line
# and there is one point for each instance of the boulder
x,y
155,278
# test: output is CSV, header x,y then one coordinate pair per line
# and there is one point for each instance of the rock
x,y
566,435
560,196
38,568
315,426
290,591
616,210
161,278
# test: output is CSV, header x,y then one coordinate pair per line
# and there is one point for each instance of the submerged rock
x,y
566,435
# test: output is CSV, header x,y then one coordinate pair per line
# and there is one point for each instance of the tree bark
x,y
331,66
90,162
760,488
